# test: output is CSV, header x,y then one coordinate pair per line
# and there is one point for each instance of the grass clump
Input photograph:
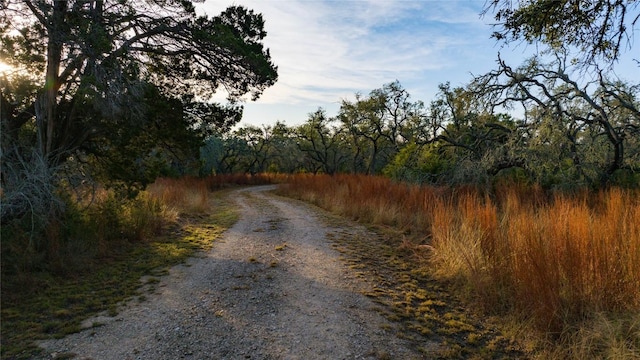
x,y
560,262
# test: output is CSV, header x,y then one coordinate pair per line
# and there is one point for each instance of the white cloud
x,y
327,50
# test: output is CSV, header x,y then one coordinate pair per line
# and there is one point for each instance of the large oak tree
x,y
92,75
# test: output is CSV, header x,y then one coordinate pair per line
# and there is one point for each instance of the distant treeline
x,y
564,137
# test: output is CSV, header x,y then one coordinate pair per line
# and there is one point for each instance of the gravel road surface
x,y
271,288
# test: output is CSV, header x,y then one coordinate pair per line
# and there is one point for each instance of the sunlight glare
x,y
5,68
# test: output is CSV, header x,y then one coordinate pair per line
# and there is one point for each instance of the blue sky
x,y
327,50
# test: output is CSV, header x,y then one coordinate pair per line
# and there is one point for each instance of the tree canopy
x,y
104,53
601,30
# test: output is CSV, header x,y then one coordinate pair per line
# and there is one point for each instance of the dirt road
x,y
272,287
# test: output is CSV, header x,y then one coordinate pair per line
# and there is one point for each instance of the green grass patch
x,y
41,305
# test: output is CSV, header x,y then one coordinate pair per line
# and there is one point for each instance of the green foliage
x,y
402,164
626,178
121,110
419,164
433,161
376,124
599,29
164,143
211,156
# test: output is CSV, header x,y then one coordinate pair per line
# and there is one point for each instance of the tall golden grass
x,y
557,259
191,194
224,180
184,195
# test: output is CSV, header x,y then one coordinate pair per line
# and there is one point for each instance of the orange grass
x,y
215,182
185,194
191,194
557,259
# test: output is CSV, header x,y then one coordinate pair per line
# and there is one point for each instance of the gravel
x,y
272,287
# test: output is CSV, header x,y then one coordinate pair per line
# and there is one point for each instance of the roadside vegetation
x,y
561,268
94,257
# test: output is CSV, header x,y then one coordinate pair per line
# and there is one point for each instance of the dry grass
x,y
554,260
185,195
224,180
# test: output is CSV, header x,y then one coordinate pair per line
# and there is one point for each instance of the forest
x,y
107,124
568,138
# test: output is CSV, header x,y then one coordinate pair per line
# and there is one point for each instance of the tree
x,y
363,118
588,123
102,53
461,142
253,149
384,120
398,113
93,64
598,120
601,30
257,144
235,155
321,143
285,155
166,143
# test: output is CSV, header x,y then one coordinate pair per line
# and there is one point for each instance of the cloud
x,y
326,49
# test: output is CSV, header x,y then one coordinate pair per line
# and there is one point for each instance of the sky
x,y
329,50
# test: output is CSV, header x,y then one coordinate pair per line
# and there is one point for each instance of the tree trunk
x,y
46,101
374,157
